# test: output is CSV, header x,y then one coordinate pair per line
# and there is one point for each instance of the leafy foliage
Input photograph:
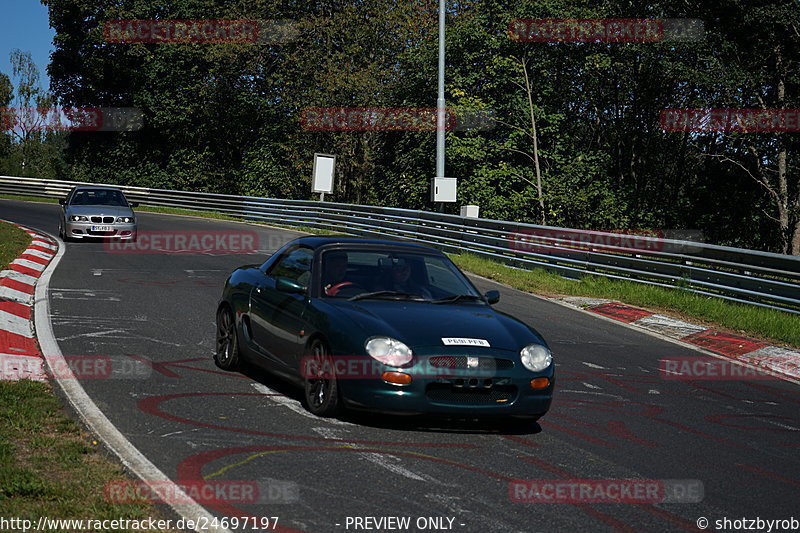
x,y
227,117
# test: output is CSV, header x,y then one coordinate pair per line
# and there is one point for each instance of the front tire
x,y
226,355
320,385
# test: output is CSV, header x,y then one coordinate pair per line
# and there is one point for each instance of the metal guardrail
x,y
748,276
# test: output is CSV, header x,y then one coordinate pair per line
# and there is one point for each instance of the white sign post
x,y
322,182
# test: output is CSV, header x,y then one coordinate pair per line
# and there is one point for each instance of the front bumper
x,y
490,392
82,230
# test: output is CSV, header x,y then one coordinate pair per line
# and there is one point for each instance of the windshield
x,y
99,197
389,274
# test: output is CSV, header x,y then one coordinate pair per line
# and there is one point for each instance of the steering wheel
x,y
333,290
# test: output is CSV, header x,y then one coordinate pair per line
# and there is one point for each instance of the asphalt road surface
x,y
613,417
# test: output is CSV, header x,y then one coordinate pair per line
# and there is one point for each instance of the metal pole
x,y
440,118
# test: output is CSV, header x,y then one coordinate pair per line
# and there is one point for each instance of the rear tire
x,y
226,355
320,385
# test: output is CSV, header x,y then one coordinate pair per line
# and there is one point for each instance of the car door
x,y
278,316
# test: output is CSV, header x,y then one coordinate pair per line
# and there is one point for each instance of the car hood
x,y
97,210
420,324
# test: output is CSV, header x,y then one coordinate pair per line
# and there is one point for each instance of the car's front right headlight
x,y
536,357
388,351
79,218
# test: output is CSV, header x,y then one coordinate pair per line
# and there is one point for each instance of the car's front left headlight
x,y
536,357
388,351
79,218
125,220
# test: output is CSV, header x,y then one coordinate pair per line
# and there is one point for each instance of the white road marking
x,y
72,294
592,365
653,391
294,405
589,385
785,426
615,396
389,462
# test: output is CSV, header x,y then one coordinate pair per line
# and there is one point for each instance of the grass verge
x,y
13,241
50,467
753,321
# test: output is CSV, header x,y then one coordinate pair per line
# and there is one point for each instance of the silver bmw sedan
x,y
91,211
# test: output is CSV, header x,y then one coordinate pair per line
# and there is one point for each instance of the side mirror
x,y
288,285
492,297
62,201
133,204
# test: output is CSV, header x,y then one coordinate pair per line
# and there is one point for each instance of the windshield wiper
x,y
453,299
393,295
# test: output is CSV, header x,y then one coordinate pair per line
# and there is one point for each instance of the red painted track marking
x,y
573,432
520,440
613,427
190,469
34,258
650,508
15,308
22,269
16,285
14,344
41,249
767,473
610,521
621,312
151,406
724,343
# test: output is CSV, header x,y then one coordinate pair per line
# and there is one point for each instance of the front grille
x,y
101,233
460,362
102,220
446,393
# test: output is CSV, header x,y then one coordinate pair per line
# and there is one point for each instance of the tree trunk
x,y
535,138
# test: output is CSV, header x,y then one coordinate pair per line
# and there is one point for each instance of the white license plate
x,y
101,228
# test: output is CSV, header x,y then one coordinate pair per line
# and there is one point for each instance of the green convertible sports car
x,y
382,325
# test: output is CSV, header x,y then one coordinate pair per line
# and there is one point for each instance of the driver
x,y
334,270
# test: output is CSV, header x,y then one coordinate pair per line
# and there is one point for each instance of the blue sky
x,y
24,24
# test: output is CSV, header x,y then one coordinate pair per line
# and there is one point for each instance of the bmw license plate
x,y
101,228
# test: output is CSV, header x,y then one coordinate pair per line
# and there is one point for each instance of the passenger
x,y
401,281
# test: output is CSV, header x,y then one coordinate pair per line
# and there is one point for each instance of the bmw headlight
x,y
388,351
125,220
79,218
535,357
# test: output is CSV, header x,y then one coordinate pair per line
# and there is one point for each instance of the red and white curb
x,y
762,355
20,357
